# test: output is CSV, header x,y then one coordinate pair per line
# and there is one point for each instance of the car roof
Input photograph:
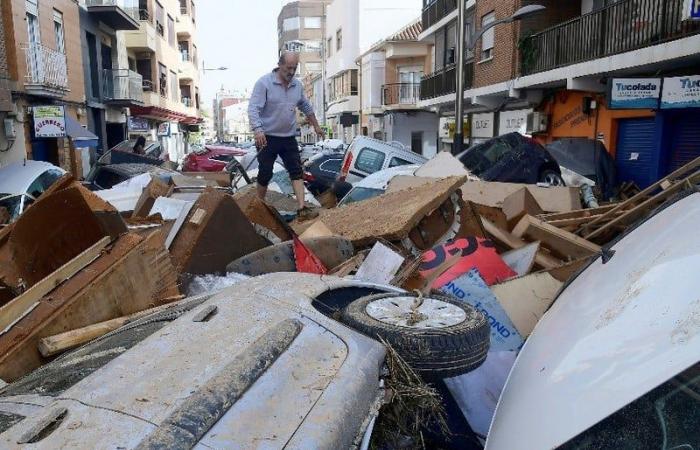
x,y
379,180
15,178
133,169
597,350
388,147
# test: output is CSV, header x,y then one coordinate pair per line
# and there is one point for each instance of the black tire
x,y
432,352
552,177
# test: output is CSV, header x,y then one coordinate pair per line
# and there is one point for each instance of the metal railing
x,y
621,27
400,94
147,86
183,11
187,101
131,7
144,15
122,85
436,11
444,81
185,56
45,66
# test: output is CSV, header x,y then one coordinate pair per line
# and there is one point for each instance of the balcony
x,y
436,11
400,95
118,14
122,87
47,74
621,27
187,71
444,81
184,26
142,40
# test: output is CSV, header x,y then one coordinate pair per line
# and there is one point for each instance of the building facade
x,y
164,52
223,100
391,71
45,75
622,72
300,26
352,27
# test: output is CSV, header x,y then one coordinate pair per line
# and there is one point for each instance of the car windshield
x,y
666,418
481,158
11,207
360,193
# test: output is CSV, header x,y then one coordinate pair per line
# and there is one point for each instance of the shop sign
x,y
691,11
49,121
138,124
681,92
164,129
513,121
634,93
482,125
448,126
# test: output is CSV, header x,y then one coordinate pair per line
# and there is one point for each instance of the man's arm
x,y
255,107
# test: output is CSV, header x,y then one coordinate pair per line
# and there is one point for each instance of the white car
x,y
21,183
614,364
366,156
376,184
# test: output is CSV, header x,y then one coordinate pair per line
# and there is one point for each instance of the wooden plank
x,y
560,242
526,299
513,242
519,204
522,259
12,312
59,343
579,213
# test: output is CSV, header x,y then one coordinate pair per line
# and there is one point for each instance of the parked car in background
x,y
321,171
366,156
588,158
152,149
375,184
512,158
21,183
106,176
614,363
212,158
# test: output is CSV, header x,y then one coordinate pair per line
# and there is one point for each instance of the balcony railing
x,y
444,81
122,85
400,94
621,27
185,56
131,7
183,10
144,15
187,101
46,67
147,86
436,11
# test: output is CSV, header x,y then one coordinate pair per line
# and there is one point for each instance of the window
x,y
312,23
369,160
312,67
339,39
481,158
487,41
395,162
44,181
160,19
58,31
312,46
332,165
34,68
451,43
174,86
290,23
171,32
163,80
92,61
329,45
417,142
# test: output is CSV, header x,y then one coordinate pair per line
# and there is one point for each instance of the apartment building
x,y
313,87
42,44
222,101
111,86
624,72
300,26
164,52
391,72
6,85
352,27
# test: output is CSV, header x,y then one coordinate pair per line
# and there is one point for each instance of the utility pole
x,y
458,143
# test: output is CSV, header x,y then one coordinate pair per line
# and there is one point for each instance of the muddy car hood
x,y
318,391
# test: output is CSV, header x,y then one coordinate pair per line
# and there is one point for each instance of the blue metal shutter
x,y
635,151
685,141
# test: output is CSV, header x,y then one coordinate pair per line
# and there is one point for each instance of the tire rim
x,y
552,179
398,311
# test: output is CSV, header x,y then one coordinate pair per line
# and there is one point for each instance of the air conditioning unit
x,y
537,122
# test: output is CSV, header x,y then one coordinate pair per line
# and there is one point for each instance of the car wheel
x,y
437,336
552,178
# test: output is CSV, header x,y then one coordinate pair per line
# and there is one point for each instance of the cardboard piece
x,y
267,221
550,199
519,204
442,165
328,199
562,243
473,253
380,266
526,299
154,190
506,239
472,289
215,233
317,230
522,259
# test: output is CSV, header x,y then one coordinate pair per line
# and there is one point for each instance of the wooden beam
x,y
13,312
507,239
560,242
579,213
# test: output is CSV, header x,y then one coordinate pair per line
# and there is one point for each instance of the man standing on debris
x,y
272,115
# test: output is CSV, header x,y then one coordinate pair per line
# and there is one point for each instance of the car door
x,y
368,161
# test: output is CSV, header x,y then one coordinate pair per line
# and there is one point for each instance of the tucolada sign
x,y
691,10
634,93
681,92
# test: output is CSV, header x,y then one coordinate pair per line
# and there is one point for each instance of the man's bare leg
x,y
262,192
299,192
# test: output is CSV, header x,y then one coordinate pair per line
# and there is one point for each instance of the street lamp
x,y
211,69
520,14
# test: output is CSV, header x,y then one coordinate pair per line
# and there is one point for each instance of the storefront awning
x,y
162,114
81,136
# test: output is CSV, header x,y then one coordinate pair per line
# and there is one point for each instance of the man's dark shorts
x,y
287,149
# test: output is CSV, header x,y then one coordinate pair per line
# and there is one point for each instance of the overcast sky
x,y
240,35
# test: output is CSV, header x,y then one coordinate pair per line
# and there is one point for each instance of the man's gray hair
x,y
284,55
